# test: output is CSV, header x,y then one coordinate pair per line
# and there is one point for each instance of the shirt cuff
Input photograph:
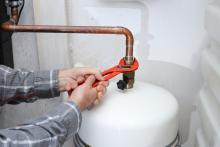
x,y
46,84
69,116
78,117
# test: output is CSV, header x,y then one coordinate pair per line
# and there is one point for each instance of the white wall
x,y
52,48
208,102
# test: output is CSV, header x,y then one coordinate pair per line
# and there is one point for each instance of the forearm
x,y
22,84
51,130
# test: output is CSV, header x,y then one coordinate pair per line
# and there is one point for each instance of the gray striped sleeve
x,y
23,85
51,130
46,84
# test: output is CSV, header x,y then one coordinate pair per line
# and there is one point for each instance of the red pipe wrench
x,y
116,70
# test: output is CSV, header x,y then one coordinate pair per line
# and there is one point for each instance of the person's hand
x,y
69,79
101,90
85,95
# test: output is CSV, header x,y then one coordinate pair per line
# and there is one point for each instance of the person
x,y
56,126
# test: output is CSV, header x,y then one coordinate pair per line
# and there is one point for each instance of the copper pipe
x,y
14,14
12,26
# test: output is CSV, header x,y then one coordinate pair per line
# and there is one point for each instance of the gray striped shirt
x,y
53,128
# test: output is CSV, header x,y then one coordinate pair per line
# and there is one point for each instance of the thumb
x,y
90,80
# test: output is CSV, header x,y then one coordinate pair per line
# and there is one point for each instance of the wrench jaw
x,y
128,74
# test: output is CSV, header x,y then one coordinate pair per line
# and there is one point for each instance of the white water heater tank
x,y
145,116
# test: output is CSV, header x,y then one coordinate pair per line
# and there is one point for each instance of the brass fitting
x,y
129,79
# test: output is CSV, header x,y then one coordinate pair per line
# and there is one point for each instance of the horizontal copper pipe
x,y
12,26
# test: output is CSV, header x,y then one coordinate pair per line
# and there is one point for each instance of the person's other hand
x,y
85,95
69,79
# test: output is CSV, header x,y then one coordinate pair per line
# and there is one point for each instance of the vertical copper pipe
x,y
14,14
